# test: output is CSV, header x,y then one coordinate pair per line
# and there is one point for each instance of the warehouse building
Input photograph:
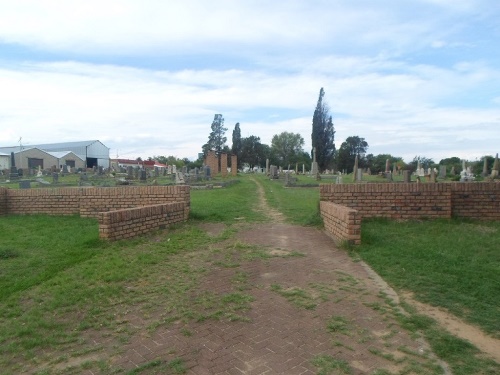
x,y
84,154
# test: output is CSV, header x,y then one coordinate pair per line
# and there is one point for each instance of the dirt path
x,y
458,327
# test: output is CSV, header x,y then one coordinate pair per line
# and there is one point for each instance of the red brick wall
x,y
476,200
234,165
132,210
405,201
88,202
397,201
212,162
343,223
96,200
60,201
120,224
223,164
3,201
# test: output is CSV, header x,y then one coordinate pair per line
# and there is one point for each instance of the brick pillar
x,y
223,164
234,165
212,162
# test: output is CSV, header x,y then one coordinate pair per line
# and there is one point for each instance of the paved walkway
x,y
313,309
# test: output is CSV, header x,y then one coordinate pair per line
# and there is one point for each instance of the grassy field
x,y
58,279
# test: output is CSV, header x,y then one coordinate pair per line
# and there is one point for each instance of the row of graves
x,y
420,175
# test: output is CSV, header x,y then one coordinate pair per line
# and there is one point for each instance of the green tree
x,y
323,134
424,163
237,143
216,139
252,151
376,163
287,147
348,150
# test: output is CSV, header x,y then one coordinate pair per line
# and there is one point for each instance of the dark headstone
x,y
25,184
143,175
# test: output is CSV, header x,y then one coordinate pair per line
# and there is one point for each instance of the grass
x,y
300,205
453,264
232,204
327,365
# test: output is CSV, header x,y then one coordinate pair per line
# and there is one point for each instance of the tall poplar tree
x,y
237,143
323,134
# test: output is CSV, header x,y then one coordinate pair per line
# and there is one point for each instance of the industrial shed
x,y
34,158
92,153
4,161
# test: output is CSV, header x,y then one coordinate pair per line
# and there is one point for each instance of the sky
x,y
146,77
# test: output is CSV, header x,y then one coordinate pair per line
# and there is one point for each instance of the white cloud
x,y
257,62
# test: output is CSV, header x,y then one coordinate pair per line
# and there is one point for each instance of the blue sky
x,y
412,77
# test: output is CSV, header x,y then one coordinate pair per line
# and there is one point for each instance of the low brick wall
x,y
479,200
93,202
61,201
96,200
343,223
476,200
120,224
3,201
396,201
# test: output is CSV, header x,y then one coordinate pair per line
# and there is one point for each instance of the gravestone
x,y
157,172
84,177
273,172
184,170
130,172
314,166
13,170
359,176
64,169
388,176
303,169
433,176
20,172
452,171
406,176
174,169
207,172
25,184
55,177
338,179
496,167
143,175
267,166
442,171
136,173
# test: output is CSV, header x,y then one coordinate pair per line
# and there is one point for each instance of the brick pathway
x,y
281,337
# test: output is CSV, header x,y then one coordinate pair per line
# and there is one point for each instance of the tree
x,y
216,139
252,151
236,146
424,163
353,146
323,134
376,163
287,147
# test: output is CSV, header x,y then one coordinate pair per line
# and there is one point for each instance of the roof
x,y
49,146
